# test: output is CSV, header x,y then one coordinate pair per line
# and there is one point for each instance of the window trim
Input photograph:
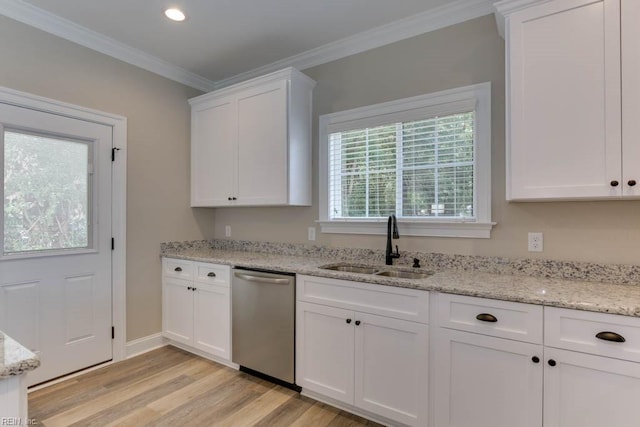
x,y
405,109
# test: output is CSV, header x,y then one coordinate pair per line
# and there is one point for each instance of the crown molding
x,y
53,24
504,8
454,12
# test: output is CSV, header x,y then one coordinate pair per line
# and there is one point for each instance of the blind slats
x,y
422,168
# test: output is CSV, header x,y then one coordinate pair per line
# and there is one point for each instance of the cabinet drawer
x,y
503,319
213,274
576,330
399,303
177,268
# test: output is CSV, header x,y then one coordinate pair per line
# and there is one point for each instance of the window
x,y
46,193
425,159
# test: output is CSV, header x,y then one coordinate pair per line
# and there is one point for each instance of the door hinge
x,y
113,332
113,153
113,243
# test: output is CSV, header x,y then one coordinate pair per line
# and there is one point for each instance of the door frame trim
x,y
118,194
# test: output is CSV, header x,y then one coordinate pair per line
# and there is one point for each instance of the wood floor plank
x,y
319,415
192,391
258,409
96,383
287,413
137,418
105,401
170,387
125,407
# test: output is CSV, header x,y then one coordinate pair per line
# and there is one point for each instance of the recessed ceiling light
x,y
175,14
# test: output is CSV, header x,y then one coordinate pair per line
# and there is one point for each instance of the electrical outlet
x,y
535,242
227,231
311,233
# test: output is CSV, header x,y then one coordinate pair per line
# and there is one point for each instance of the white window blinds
x,y
416,169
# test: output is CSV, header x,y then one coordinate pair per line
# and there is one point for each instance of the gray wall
x,y
467,53
158,152
158,147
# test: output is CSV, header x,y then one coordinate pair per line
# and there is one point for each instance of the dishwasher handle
x,y
261,279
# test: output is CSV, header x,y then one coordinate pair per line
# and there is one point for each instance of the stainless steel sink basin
x,y
351,268
403,274
366,269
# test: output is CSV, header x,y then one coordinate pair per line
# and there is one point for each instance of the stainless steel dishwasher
x,y
263,323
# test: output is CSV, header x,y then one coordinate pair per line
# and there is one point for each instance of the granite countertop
x,y
603,297
15,359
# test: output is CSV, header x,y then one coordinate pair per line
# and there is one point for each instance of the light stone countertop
x,y
575,294
15,359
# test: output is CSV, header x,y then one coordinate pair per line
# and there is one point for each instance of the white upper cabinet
x,y
251,143
572,89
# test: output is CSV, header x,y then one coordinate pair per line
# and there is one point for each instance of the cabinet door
x,y
583,390
212,326
213,153
630,97
177,310
564,130
263,145
486,381
324,350
391,368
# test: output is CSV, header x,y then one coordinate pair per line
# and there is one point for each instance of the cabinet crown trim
x,y
506,7
289,73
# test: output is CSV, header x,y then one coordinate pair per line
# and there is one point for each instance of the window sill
x,y
473,230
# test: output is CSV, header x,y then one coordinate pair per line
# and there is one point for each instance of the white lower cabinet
x,y
583,390
367,361
486,381
196,308
488,363
391,368
592,369
177,310
211,320
325,350
586,372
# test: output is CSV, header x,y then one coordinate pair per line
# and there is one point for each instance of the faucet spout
x,y
392,232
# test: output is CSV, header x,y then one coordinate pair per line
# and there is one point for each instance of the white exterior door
x,y
55,263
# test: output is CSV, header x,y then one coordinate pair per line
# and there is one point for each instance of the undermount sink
x,y
349,268
363,269
403,274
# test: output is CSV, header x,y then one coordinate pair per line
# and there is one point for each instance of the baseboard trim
x,y
204,355
142,345
349,408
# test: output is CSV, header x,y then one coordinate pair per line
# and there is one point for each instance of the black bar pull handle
x,y
610,336
486,317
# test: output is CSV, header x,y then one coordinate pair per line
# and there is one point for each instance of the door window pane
x,y
46,193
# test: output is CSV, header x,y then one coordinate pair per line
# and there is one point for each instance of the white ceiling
x,y
226,38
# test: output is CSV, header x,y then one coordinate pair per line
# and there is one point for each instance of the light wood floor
x,y
170,387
